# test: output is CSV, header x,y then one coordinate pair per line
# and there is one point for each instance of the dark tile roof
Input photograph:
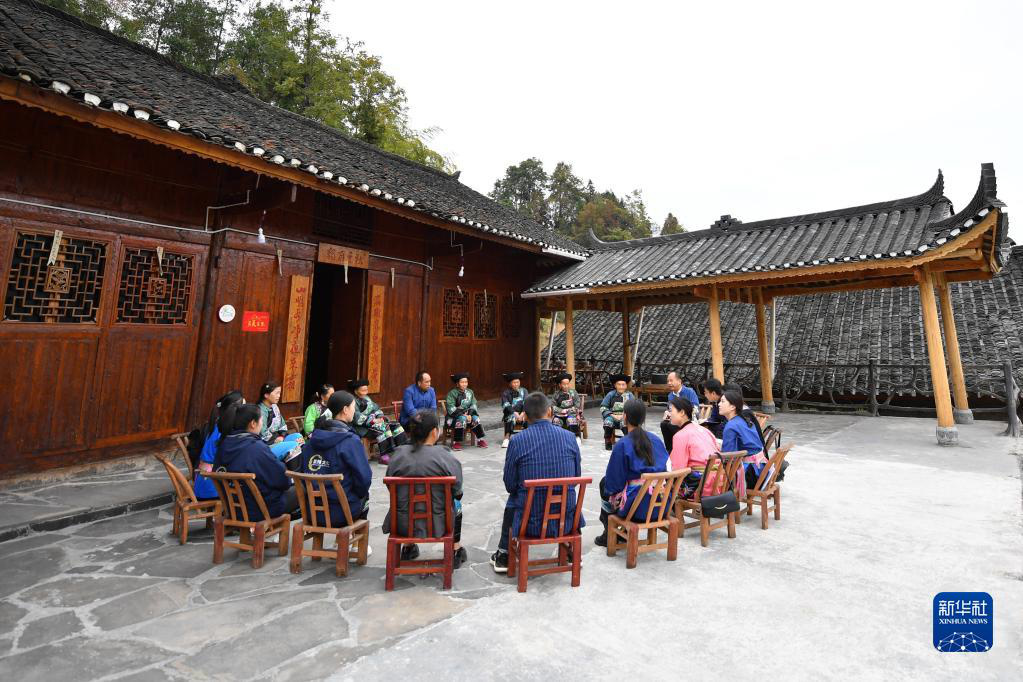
x,y
53,50
887,230
830,329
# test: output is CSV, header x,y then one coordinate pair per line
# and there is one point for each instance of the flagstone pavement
x,y
876,520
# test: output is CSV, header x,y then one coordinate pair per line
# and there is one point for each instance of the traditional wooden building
x,y
165,237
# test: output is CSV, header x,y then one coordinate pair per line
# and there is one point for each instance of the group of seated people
x,y
251,438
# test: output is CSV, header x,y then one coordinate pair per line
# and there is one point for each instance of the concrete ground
x,y
876,520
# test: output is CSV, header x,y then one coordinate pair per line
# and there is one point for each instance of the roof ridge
x,y
935,193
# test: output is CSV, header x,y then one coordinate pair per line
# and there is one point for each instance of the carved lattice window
x,y
485,309
510,318
153,291
66,292
456,313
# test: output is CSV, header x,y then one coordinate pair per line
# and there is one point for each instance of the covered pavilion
x,y
917,241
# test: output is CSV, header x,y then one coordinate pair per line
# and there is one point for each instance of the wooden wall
x,y
86,391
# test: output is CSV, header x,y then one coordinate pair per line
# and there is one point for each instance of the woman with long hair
x,y
419,459
636,454
275,431
691,446
204,488
741,433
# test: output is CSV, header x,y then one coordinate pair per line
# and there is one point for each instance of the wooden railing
x,y
869,387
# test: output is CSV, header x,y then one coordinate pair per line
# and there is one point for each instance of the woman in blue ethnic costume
x,y
370,422
612,408
462,412
564,401
511,405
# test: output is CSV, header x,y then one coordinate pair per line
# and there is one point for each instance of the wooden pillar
x,y
569,341
716,354
962,413
766,378
626,341
946,431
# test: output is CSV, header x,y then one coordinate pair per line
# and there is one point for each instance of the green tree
x,y
96,12
634,204
565,199
524,189
607,217
671,225
261,53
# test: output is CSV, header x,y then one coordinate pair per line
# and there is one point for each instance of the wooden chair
x,y
236,515
396,408
181,440
555,507
297,424
661,490
767,488
762,419
186,506
420,507
722,469
449,434
772,439
705,410
312,499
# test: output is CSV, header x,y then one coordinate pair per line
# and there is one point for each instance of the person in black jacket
x,y
243,451
334,448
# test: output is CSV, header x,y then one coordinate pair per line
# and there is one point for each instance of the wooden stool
x,y
311,490
662,490
555,507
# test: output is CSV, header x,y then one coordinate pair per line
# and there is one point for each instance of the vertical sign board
x,y
376,336
294,350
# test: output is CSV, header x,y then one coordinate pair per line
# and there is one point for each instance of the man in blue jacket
x,y
541,451
676,389
416,397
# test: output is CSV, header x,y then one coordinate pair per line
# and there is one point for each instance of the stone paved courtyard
x,y
876,520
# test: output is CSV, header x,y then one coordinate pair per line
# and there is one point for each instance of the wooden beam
x,y
569,341
807,290
946,432
766,380
626,341
716,354
962,413
538,364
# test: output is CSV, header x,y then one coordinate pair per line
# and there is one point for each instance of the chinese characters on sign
x,y
255,321
963,622
342,255
376,336
294,350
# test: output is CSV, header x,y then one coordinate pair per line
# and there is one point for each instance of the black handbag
x,y
717,506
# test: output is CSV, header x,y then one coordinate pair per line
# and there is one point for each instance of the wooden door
x,y
396,312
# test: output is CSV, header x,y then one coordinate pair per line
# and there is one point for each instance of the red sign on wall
x,y
255,321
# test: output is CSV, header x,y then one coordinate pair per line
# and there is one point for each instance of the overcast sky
x,y
756,109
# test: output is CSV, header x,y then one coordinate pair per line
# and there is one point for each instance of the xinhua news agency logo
x,y
963,622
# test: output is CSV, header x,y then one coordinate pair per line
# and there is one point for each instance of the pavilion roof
x,y
879,234
51,49
829,330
